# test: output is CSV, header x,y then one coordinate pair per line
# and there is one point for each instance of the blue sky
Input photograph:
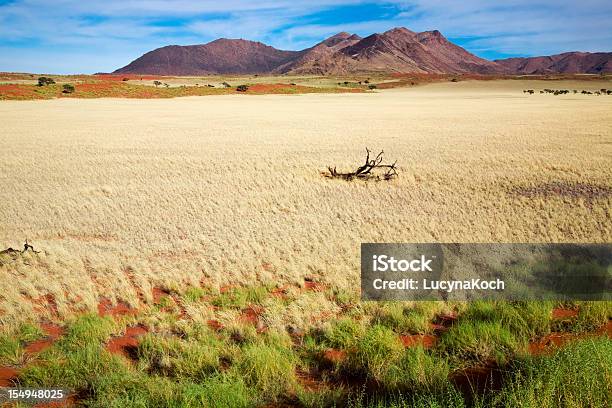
x,y
86,36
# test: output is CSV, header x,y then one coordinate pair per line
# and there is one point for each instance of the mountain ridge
x,y
396,50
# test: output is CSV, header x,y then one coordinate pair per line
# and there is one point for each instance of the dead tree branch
x,y
367,171
26,247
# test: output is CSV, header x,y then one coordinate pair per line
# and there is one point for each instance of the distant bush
x,y
366,81
242,88
125,79
68,88
372,86
454,80
157,83
42,81
226,85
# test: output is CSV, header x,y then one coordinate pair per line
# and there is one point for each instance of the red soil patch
x,y
128,342
214,324
52,331
554,341
425,340
334,355
106,308
17,91
280,292
159,293
7,375
308,381
310,284
561,313
227,288
267,266
476,380
443,322
250,315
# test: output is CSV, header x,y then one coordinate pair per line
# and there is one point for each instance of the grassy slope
x,y
184,363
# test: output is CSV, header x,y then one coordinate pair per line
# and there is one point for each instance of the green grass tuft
x,y
268,369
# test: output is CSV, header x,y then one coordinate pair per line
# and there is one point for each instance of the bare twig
x,y
366,171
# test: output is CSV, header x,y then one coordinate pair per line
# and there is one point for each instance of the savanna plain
x,y
191,253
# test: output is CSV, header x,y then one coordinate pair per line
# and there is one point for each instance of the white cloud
x,y
112,32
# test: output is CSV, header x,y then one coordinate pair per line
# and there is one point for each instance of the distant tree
x,y
42,81
372,86
454,80
346,83
125,79
367,81
242,88
68,88
157,83
166,85
226,85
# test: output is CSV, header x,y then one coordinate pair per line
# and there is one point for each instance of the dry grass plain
x,y
124,195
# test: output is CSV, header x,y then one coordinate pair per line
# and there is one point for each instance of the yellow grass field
x,y
124,195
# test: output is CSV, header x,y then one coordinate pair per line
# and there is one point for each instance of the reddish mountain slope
x,y
566,63
396,50
219,56
403,50
323,58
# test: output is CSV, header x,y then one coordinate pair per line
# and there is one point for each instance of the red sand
x,y
561,313
106,308
159,293
425,340
481,378
7,374
215,325
129,340
334,355
553,341
53,331
314,286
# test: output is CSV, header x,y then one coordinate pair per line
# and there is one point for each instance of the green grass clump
x,y
592,315
478,340
343,334
239,298
193,294
174,357
76,368
12,344
268,369
401,318
579,375
525,320
418,370
321,398
447,398
375,352
87,330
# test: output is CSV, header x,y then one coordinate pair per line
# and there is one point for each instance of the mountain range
x,y
396,50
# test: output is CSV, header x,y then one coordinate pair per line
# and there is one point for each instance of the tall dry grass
x,y
124,195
